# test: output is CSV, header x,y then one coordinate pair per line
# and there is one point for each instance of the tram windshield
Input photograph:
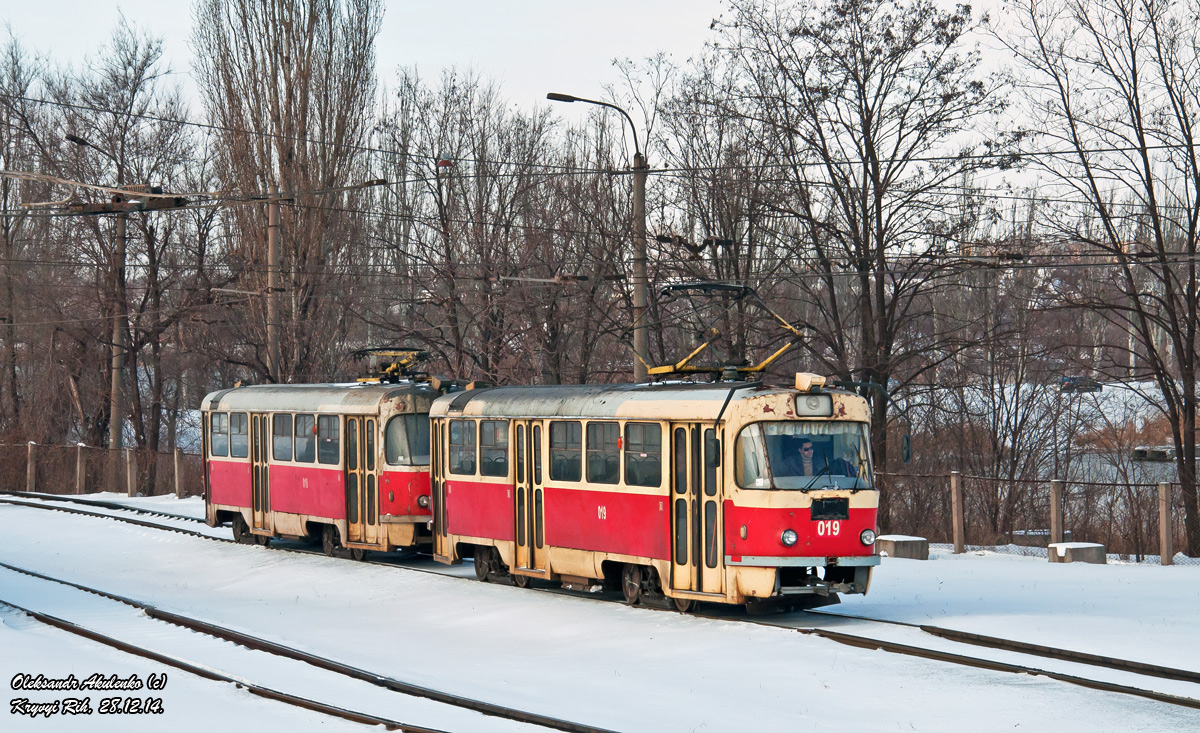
x,y
406,440
797,455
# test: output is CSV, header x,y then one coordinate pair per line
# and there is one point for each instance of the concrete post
x,y
31,469
131,472
116,410
1056,511
956,513
80,473
1166,539
273,355
640,296
178,472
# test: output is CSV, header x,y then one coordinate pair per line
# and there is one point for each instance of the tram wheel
x,y
483,563
683,605
262,539
241,530
631,584
521,581
357,554
330,543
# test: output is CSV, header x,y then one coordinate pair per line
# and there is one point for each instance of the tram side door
x,y
361,487
528,494
362,490
695,508
260,472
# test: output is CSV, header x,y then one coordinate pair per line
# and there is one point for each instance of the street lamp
x,y
640,170
116,402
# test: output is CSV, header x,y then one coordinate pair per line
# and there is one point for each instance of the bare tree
x,y
291,87
871,110
1113,86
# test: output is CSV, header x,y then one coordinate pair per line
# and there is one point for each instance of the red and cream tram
x,y
345,464
726,492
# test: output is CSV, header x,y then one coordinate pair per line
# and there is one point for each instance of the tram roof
x,y
332,397
684,400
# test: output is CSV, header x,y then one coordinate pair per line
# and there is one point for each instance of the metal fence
x,y
1017,516
81,469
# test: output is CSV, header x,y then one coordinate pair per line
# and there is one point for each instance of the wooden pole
x,y
1166,539
31,469
1056,511
178,472
79,472
956,513
131,472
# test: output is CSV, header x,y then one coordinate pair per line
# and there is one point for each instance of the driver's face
x,y
806,448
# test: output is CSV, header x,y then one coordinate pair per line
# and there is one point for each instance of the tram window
x,y
306,438
239,438
643,454
369,434
712,449
462,447
219,433
603,452
681,462
281,443
536,436
493,448
566,438
416,426
710,534
803,455
328,439
406,440
520,454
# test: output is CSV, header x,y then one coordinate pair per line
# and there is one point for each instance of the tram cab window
x,y
281,437
306,438
406,440
566,440
643,454
218,438
802,455
493,447
603,453
328,439
462,447
239,435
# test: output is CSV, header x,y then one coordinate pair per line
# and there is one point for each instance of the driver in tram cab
x,y
807,462
800,463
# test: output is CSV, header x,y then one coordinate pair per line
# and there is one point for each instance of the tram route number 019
x,y
829,528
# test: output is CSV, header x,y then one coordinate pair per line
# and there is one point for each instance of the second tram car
x,y
343,464
726,492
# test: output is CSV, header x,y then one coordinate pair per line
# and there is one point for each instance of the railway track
x,y
998,654
222,654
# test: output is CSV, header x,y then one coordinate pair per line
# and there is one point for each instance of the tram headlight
x,y
867,537
422,501
788,538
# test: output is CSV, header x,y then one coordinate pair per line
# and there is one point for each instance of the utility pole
x,y
121,205
640,346
641,349
116,409
273,357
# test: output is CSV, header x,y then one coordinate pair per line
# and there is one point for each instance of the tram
x,y
343,464
730,492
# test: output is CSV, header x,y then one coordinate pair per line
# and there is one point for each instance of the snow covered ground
x,y
602,664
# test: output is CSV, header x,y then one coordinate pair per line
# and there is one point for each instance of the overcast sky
x,y
529,46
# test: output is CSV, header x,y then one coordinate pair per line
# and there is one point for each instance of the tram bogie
x,y
340,465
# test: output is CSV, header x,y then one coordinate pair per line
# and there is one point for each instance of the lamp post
x,y
640,170
116,419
